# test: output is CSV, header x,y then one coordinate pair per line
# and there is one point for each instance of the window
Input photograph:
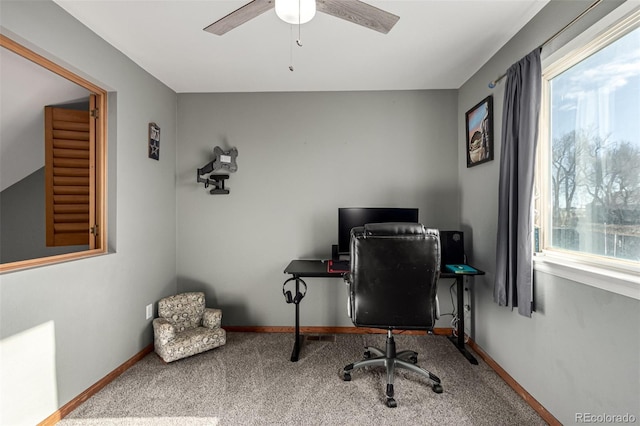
x,y
52,198
588,176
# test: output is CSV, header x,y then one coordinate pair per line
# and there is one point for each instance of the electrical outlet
x,y
149,311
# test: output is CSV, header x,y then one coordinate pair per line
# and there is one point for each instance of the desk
x,y
305,269
318,269
458,341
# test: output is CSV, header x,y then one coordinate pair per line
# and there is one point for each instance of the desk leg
x,y
459,341
296,344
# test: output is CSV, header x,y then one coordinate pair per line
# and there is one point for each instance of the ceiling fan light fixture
x,y
296,11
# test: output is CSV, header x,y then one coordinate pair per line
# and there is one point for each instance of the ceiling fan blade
x,y
359,13
240,16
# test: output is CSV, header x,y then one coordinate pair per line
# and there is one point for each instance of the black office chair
x,y
392,285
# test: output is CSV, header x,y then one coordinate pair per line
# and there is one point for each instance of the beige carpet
x,y
250,381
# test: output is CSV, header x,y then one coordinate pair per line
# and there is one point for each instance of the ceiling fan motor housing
x,y
296,11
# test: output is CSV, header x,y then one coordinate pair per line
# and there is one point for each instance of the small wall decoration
x,y
154,141
479,131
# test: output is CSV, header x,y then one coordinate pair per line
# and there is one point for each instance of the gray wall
x,y
579,352
65,327
301,157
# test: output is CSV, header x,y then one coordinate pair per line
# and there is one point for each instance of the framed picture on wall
x,y
154,141
479,132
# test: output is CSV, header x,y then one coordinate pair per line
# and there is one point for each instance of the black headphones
x,y
288,297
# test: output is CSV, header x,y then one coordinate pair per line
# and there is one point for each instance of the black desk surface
x,y
318,268
454,275
310,268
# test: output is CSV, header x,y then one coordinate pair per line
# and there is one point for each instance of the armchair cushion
x,y
183,310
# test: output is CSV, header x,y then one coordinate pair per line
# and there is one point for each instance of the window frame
x,y
614,275
99,172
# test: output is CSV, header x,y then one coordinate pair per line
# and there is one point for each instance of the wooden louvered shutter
x,y
69,180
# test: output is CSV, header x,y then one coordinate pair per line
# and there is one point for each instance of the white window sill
x,y
625,282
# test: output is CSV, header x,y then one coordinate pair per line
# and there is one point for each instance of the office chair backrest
x,y
393,276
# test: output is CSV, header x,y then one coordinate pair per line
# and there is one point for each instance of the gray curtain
x,y
514,270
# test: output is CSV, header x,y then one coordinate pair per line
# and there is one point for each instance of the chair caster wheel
x,y
437,388
413,359
391,403
346,377
367,355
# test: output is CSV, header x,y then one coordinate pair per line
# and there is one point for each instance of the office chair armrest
x,y
212,318
163,330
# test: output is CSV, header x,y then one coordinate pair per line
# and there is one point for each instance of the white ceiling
x,y
434,45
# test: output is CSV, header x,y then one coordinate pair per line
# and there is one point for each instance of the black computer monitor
x,y
350,217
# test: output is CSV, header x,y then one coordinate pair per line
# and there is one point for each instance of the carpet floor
x,y
250,381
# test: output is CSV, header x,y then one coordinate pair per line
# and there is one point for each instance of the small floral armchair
x,y
186,327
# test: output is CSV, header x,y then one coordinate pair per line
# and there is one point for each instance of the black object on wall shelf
x,y
223,160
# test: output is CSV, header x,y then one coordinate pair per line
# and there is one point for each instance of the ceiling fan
x,y
351,10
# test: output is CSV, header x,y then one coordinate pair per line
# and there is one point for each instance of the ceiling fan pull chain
x,y
299,40
291,48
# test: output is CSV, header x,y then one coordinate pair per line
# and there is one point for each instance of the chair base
x,y
391,360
